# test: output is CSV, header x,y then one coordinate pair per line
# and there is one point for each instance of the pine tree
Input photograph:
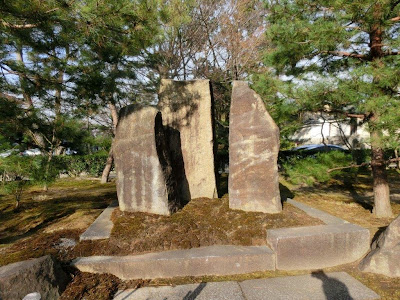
x,y
340,57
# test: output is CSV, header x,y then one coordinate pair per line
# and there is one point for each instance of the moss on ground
x,y
202,222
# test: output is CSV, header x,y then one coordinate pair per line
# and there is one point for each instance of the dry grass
x,y
65,211
351,201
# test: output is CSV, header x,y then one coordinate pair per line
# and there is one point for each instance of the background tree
x,y
339,57
57,56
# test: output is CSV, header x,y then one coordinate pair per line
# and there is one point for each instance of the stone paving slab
x,y
228,290
102,226
212,260
317,247
318,285
316,213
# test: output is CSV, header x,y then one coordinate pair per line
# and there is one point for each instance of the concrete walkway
x,y
102,226
317,285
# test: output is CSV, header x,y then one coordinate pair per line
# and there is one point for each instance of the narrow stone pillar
x,y
253,153
187,115
145,180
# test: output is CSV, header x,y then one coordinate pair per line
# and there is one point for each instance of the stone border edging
x,y
316,247
211,260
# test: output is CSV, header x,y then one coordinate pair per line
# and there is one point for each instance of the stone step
x,y
316,247
212,260
318,285
102,226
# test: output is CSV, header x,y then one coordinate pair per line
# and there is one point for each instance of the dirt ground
x,y
50,223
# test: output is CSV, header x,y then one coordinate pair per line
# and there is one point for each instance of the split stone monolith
x,y
145,178
253,153
42,275
187,114
384,257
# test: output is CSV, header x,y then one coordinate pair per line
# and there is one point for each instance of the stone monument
x,y
253,153
145,177
187,114
384,257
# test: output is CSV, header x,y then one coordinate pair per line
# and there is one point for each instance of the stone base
x,y
213,260
317,247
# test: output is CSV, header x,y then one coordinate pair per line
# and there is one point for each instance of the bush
x,y
314,169
75,165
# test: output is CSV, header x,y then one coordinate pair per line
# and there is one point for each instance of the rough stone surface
x,y
384,257
187,113
315,247
42,275
316,213
253,153
32,296
212,260
228,290
317,285
145,181
102,226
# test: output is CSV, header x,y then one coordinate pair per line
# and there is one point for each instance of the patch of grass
x,y
352,201
65,210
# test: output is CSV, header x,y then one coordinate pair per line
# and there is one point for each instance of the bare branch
x,y
362,165
348,54
349,167
18,26
395,19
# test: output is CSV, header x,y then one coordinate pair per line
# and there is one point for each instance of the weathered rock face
x,y
145,179
42,275
384,257
187,113
253,153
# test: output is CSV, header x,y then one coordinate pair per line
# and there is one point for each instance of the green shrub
x,y
314,169
74,165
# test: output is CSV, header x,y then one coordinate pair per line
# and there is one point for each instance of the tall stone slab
x,y
253,153
187,114
145,179
384,257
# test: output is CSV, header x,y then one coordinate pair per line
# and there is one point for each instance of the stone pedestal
x,y
187,114
253,153
145,179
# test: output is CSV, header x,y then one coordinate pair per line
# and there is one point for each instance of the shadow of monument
x,y
193,295
285,192
180,102
333,288
178,165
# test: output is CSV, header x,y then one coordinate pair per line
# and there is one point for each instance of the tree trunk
x,y
382,208
110,159
107,168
